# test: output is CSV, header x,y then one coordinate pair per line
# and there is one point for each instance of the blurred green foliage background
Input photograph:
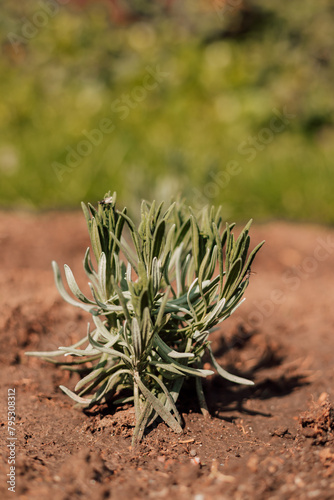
x,y
225,101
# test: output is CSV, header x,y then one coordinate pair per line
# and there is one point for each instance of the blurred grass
x,y
224,72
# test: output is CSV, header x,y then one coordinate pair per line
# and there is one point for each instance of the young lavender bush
x,y
153,306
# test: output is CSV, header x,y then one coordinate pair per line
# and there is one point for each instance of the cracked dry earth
x,y
274,440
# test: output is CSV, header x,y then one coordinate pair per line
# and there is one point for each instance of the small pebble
x,y
195,461
193,452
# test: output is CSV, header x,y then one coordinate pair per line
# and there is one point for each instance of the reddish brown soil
x,y
274,440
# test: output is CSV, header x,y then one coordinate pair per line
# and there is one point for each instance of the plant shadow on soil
x,y
254,353
223,396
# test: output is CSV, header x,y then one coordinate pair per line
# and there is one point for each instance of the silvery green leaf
x,y
177,308
201,336
74,287
108,350
218,218
158,407
74,396
232,277
236,306
71,365
169,211
128,273
228,376
230,310
212,264
226,237
70,351
122,301
56,353
94,334
162,307
171,404
120,275
102,305
112,339
211,293
195,241
95,240
146,327
92,209
141,423
118,233
102,272
136,338
169,367
108,384
215,313
150,215
184,271
123,247
158,239
125,343
237,253
178,270
156,275
159,326
129,249
191,308
252,256
244,249
86,213
158,342
191,271
147,239
196,372
134,233
168,245
182,232
220,253
201,271
97,370
88,267
63,292
123,401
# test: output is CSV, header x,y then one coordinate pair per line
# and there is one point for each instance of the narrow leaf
x,y
159,408
136,338
74,396
63,292
228,376
74,287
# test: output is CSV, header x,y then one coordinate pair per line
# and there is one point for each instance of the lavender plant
x,y
153,304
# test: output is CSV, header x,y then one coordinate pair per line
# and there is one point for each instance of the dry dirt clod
x,y
318,422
